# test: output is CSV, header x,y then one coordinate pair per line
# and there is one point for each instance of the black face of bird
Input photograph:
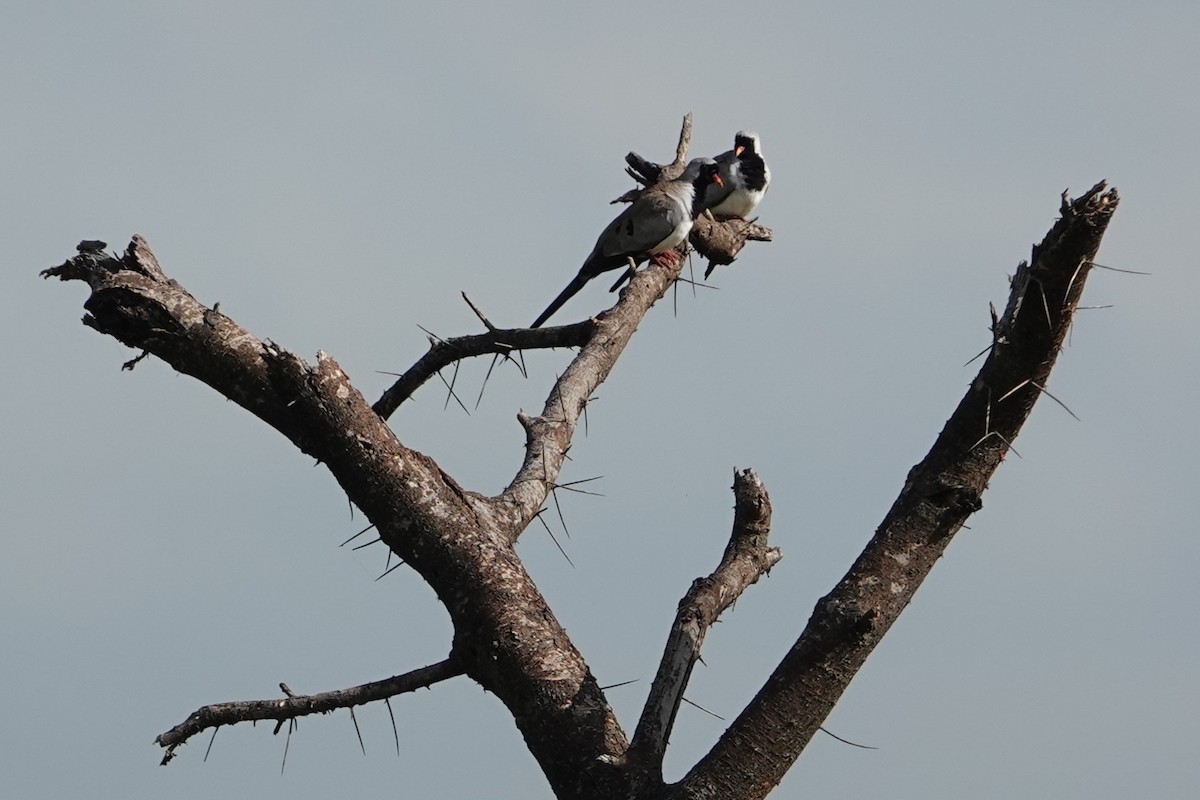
x,y
744,141
708,174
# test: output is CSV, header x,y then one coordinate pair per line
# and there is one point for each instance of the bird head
x,y
746,141
701,171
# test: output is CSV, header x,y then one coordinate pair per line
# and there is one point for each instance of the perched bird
x,y
651,226
745,177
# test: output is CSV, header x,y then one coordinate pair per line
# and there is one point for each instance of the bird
x,y
745,178
655,223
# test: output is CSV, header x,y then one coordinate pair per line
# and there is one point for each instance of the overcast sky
x,y
336,174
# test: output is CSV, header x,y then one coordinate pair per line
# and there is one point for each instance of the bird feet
x,y
667,258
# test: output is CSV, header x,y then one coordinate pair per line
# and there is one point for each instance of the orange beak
x,y
717,180
737,151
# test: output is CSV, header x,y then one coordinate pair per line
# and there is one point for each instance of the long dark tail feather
x,y
577,283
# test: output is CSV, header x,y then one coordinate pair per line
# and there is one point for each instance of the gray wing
x,y
647,223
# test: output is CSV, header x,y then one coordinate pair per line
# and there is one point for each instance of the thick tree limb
x,y
292,706
747,558
505,636
940,494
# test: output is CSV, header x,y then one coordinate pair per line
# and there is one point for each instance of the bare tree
x,y
506,637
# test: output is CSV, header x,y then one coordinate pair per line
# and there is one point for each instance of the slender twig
x,y
298,705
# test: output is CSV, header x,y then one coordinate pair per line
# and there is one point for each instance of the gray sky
x,y
335,176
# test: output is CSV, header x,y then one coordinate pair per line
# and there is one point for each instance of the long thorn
x,y
558,508
399,564
210,742
1015,389
450,389
981,352
1045,305
1126,271
355,536
287,744
697,284
846,741
354,719
1046,392
1074,275
395,733
675,298
702,708
569,484
554,539
491,367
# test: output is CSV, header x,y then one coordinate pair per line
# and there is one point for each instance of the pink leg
x,y
665,259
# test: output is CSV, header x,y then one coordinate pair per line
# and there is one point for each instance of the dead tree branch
x,y
940,494
505,636
444,352
294,705
747,558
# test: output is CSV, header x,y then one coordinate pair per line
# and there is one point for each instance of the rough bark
x,y
506,637
941,492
